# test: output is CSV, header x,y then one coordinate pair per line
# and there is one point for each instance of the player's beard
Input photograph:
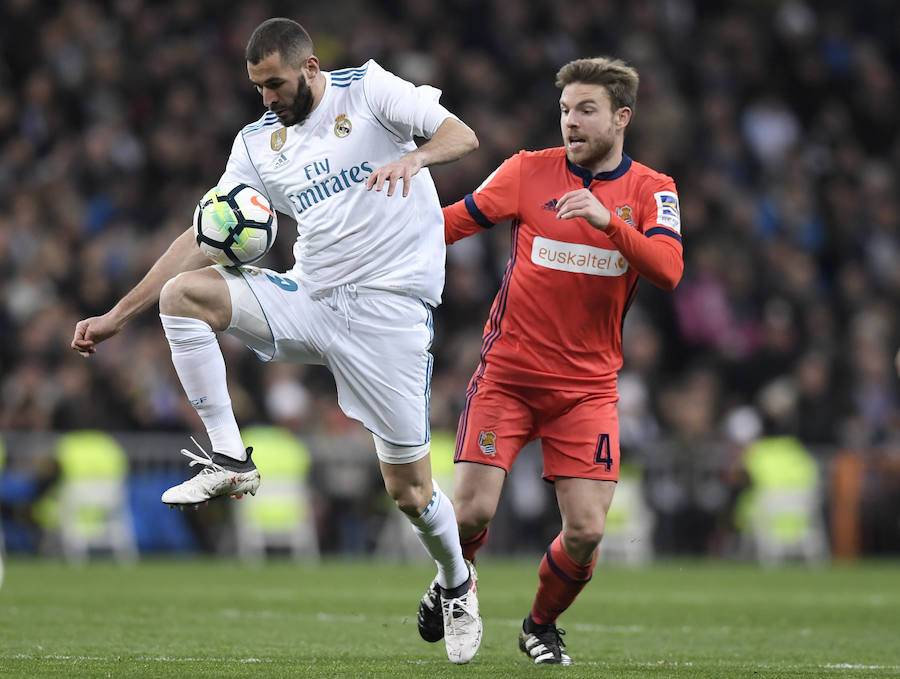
x,y
594,152
301,107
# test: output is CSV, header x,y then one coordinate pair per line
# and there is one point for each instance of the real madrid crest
x,y
279,136
342,126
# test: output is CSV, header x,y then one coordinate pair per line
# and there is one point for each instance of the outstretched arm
x,y
452,140
182,255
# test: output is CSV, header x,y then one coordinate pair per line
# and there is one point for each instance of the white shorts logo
x,y
667,211
577,258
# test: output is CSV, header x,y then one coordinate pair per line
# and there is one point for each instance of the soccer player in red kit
x,y
587,221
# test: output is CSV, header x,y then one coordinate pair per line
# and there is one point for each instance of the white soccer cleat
x,y
221,475
462,622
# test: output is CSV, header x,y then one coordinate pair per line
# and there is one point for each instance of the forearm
x,y
452,140
458,223
658,259
182,255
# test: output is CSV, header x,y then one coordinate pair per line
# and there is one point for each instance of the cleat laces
x,y
544,645
209,466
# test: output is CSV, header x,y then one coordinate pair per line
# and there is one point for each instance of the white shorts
x,y
376,344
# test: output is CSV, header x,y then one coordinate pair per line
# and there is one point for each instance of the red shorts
x,y
579,431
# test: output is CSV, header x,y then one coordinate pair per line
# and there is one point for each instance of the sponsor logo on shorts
x,y
487,441
577,258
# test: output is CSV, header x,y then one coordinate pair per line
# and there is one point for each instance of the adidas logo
x,y
549,205
281,160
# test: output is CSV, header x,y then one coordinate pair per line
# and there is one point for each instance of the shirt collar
x,y
585,175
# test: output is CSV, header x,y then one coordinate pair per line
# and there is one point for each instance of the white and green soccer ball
x,y
234,224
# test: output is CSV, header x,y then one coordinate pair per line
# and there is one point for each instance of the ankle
x,y
456,592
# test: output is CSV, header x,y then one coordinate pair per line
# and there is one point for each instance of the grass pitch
x,y
213,618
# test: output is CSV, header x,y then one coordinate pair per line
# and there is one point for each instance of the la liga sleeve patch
x,y
668,213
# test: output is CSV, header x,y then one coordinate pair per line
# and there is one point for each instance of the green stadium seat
x,y
628,536
280,515
780,514
92,504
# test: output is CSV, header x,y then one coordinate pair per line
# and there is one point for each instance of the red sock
x,y
561,579
473,544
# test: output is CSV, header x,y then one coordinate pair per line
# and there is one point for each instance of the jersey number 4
x,y
603,455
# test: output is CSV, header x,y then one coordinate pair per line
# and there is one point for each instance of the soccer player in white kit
x,y
331,151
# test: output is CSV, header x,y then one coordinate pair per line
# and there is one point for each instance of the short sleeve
x,y
409,110
497,199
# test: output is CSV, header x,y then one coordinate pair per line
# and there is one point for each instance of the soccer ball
x,y
234,224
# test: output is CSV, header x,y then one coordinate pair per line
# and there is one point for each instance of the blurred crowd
x,y
778,120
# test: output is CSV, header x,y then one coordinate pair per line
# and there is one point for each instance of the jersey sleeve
x,y
404,108
240,169
654,248
495,201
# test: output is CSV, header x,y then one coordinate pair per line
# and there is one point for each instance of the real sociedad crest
x,y
487,441
342,126
279,136
625,214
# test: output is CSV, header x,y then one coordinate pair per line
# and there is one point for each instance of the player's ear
x,y
311,66
622,117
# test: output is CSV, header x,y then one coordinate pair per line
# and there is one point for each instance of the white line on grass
x,y
836,667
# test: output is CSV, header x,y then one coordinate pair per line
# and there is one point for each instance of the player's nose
x,y
269,97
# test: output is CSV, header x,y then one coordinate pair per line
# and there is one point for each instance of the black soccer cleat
x,y
430,618
543,643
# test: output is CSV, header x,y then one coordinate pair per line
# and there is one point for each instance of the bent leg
x,y
569,561
583,505
476,495
201,294
192,306
429,511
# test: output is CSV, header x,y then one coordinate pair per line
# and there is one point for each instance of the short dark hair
x,y
284,36
619,78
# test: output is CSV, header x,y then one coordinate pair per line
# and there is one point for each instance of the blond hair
x,y
619,78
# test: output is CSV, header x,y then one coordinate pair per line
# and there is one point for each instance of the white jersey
x,y
316,171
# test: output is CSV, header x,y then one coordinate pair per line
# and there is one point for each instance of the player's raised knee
x,y
172,297
197,294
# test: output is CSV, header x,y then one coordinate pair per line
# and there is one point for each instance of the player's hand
x,y
582,203
401,169
91,331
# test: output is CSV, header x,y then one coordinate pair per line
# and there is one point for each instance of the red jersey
x,y
556,321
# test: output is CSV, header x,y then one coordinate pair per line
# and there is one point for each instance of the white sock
x,y
201,368
437,530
